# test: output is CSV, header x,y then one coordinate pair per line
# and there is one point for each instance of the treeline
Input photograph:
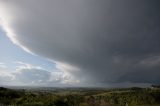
x,y
115,97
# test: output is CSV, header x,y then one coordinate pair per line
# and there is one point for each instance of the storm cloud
x,y
106,41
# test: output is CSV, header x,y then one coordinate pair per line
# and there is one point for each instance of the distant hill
x,y
155,86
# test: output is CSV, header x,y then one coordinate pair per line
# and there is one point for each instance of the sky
x,y
104,43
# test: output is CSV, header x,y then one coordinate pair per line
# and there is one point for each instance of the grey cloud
x,y
105,39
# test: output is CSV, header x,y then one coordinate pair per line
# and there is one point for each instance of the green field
x,y
80,97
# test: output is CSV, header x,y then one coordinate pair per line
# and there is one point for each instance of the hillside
x,y
80,97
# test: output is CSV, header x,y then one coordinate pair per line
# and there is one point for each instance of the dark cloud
x,y
106,39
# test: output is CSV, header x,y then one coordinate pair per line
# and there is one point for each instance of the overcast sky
x,y
80,42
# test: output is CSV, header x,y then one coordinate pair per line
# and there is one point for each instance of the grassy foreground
x,y
80,97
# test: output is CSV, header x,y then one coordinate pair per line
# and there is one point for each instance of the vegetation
x,y
80,97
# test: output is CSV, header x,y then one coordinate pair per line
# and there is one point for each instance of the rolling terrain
x,y
79,97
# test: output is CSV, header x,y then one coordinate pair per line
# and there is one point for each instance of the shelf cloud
x,y
104,41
